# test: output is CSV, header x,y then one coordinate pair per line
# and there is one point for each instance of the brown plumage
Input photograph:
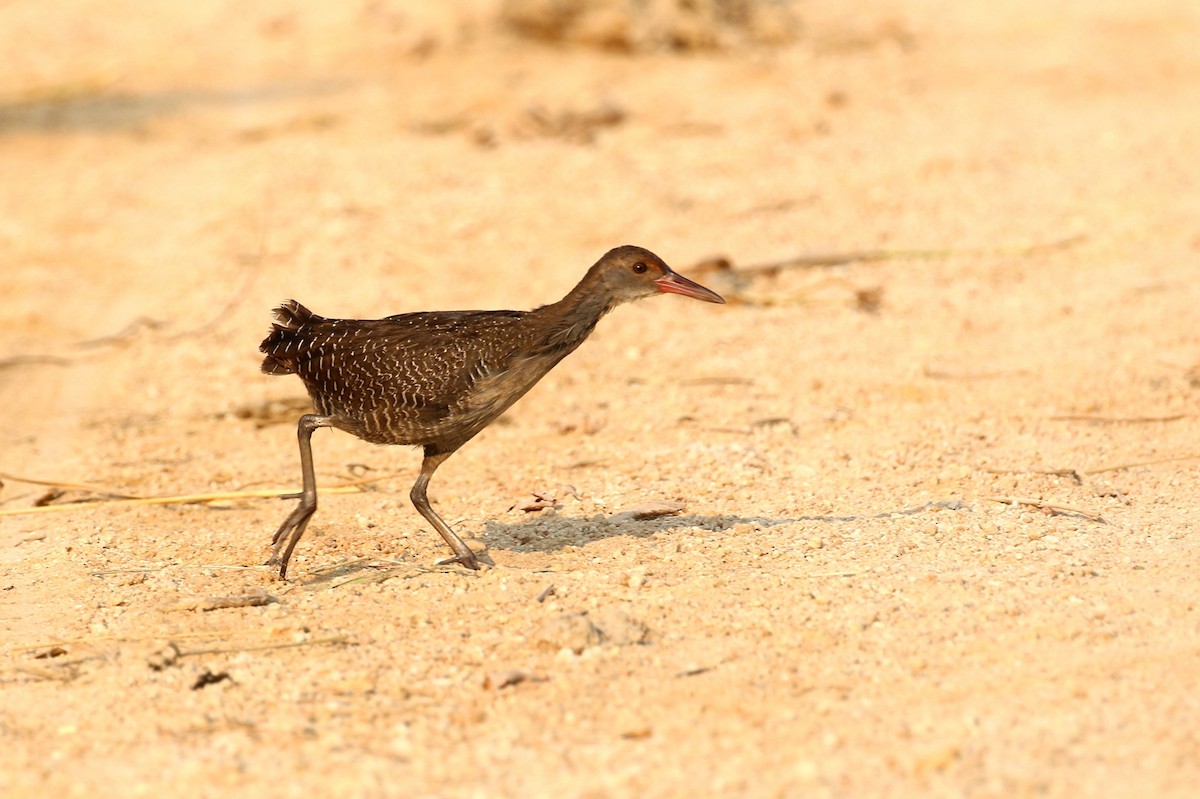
x,y
435,379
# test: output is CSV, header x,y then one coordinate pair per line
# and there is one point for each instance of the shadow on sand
x,y
530,534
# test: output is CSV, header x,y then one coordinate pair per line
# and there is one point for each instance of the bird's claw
x,y
467,559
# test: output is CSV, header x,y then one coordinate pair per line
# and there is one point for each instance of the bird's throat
x,y
572,319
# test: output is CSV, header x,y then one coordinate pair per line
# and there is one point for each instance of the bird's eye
x,y
639,268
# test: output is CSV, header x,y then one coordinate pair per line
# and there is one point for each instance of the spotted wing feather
x,y
406,379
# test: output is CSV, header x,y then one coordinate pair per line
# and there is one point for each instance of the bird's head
x,y
630,273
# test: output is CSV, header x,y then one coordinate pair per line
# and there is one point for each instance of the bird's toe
x,y
468,560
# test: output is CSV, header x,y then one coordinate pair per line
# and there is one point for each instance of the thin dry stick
x,y
95,639
151,569
1119,419
225,650
1078,473
1052,506
1074,474
33,360
1054,472
67,485
938,374
335,639
179,500
838,258
344,488
1118,467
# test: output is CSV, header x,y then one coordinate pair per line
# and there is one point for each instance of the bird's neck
x,y
570,320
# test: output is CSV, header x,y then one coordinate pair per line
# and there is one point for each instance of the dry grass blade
x,y
938,374
1133,464
16,478
1050,506
350,487
65,671
1074,474
817,260
1078,474
96,639
33,360
735,281
225,650
1119,419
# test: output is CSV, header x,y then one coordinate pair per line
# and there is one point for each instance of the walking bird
x,y
435,379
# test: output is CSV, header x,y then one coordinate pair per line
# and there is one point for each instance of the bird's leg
x,y
288,534
462,553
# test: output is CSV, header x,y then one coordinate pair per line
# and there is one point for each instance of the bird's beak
x,y
674,283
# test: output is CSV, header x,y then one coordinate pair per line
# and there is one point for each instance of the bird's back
x,y
433,378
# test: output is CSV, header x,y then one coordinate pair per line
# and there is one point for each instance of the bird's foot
x,y
287,536
466,559
281,564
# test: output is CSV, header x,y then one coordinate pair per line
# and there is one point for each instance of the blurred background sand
x,y
842,604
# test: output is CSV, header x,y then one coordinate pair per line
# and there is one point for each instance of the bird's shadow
x,y
565,531
552,534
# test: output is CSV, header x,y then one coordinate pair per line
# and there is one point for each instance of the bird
x,y
435,379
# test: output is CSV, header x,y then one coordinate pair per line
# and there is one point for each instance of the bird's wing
x,y
420,365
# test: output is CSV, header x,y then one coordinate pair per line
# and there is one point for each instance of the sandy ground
x,y
938,513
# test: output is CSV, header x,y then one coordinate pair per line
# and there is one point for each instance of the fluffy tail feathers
x,y
287,339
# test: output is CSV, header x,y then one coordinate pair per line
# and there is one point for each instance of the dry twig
x,y
33,360
1133,464
1050,506
351,487
1072,473
1119,419
1079,474
226,650
95,489
816,260
735,280
938,374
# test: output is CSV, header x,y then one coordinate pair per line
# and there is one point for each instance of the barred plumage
x,y
435,379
